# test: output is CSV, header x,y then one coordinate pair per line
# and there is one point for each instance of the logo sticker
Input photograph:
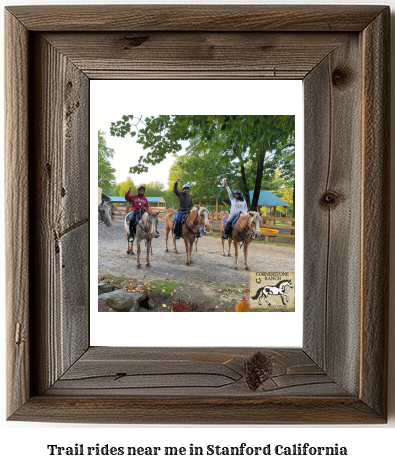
x,y
272,291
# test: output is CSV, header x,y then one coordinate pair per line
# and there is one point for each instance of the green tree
x,y
237,140
154,189
113,190
106,171
125,185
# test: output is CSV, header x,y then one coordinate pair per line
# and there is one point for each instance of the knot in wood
x,y
135,41
330,199
339,77
259,369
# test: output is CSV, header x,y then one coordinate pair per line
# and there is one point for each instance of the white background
x,y
24,444
113,99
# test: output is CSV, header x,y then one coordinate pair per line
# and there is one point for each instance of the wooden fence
x,y
271,224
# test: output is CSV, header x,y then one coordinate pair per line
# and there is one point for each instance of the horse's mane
x,y
282,282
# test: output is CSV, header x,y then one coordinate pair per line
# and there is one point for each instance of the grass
x,y
165,288
231,288
110,279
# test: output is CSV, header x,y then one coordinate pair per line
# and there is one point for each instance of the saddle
x,y
230,227
139,214
183,221
183,218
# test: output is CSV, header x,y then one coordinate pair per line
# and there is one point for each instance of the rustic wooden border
x,y
340,374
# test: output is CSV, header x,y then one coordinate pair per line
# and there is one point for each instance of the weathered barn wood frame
x,y
342,55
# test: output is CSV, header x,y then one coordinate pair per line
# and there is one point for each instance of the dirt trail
x,y
208,264
210,276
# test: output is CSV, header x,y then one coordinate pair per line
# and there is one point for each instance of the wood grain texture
x,y
191,372
198,410
196,55
196,18
339,376
334,170
17,187
375,211
60,253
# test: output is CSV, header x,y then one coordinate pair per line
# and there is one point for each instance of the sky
x,y
127,153
110,100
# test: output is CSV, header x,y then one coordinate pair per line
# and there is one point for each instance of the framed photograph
x,y
207,300
339,375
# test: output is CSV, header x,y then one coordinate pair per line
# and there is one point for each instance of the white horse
x,y
145,230
104,214
278,289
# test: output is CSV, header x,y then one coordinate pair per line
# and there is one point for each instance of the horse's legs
x,y
236,253
138,253
130,244
187,249
223,246
246,256
229,246
127,241
167,230
148,250
190,252
174,244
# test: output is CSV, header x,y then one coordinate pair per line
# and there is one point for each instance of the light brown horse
x,y
145,230
244,231
189,229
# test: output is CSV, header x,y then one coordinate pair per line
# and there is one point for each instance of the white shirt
x,y
236,205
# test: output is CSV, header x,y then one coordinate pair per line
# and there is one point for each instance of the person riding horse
x,y
185,203
238,205
139,203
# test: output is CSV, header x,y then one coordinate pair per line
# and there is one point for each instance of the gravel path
x,y
209,264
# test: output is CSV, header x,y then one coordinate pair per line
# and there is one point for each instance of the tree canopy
x,y
106,171
243,149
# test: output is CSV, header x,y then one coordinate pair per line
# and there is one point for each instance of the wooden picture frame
x,y
340,374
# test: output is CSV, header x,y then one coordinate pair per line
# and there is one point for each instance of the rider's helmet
x,y
186,186
141,187
237,191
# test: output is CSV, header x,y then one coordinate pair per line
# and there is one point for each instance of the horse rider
x,y
238,205
185,203
139,202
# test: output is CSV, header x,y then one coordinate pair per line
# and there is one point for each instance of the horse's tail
x,y
257,294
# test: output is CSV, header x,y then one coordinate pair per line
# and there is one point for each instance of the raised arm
x,y
175,188
128,196
230,193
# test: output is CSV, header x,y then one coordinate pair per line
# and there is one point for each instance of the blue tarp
x,y
122,199
266,198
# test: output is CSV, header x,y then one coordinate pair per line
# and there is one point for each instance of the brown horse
x,y
244,231
189,229
145,230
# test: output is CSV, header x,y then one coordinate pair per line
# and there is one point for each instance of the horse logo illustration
x,y
278,289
